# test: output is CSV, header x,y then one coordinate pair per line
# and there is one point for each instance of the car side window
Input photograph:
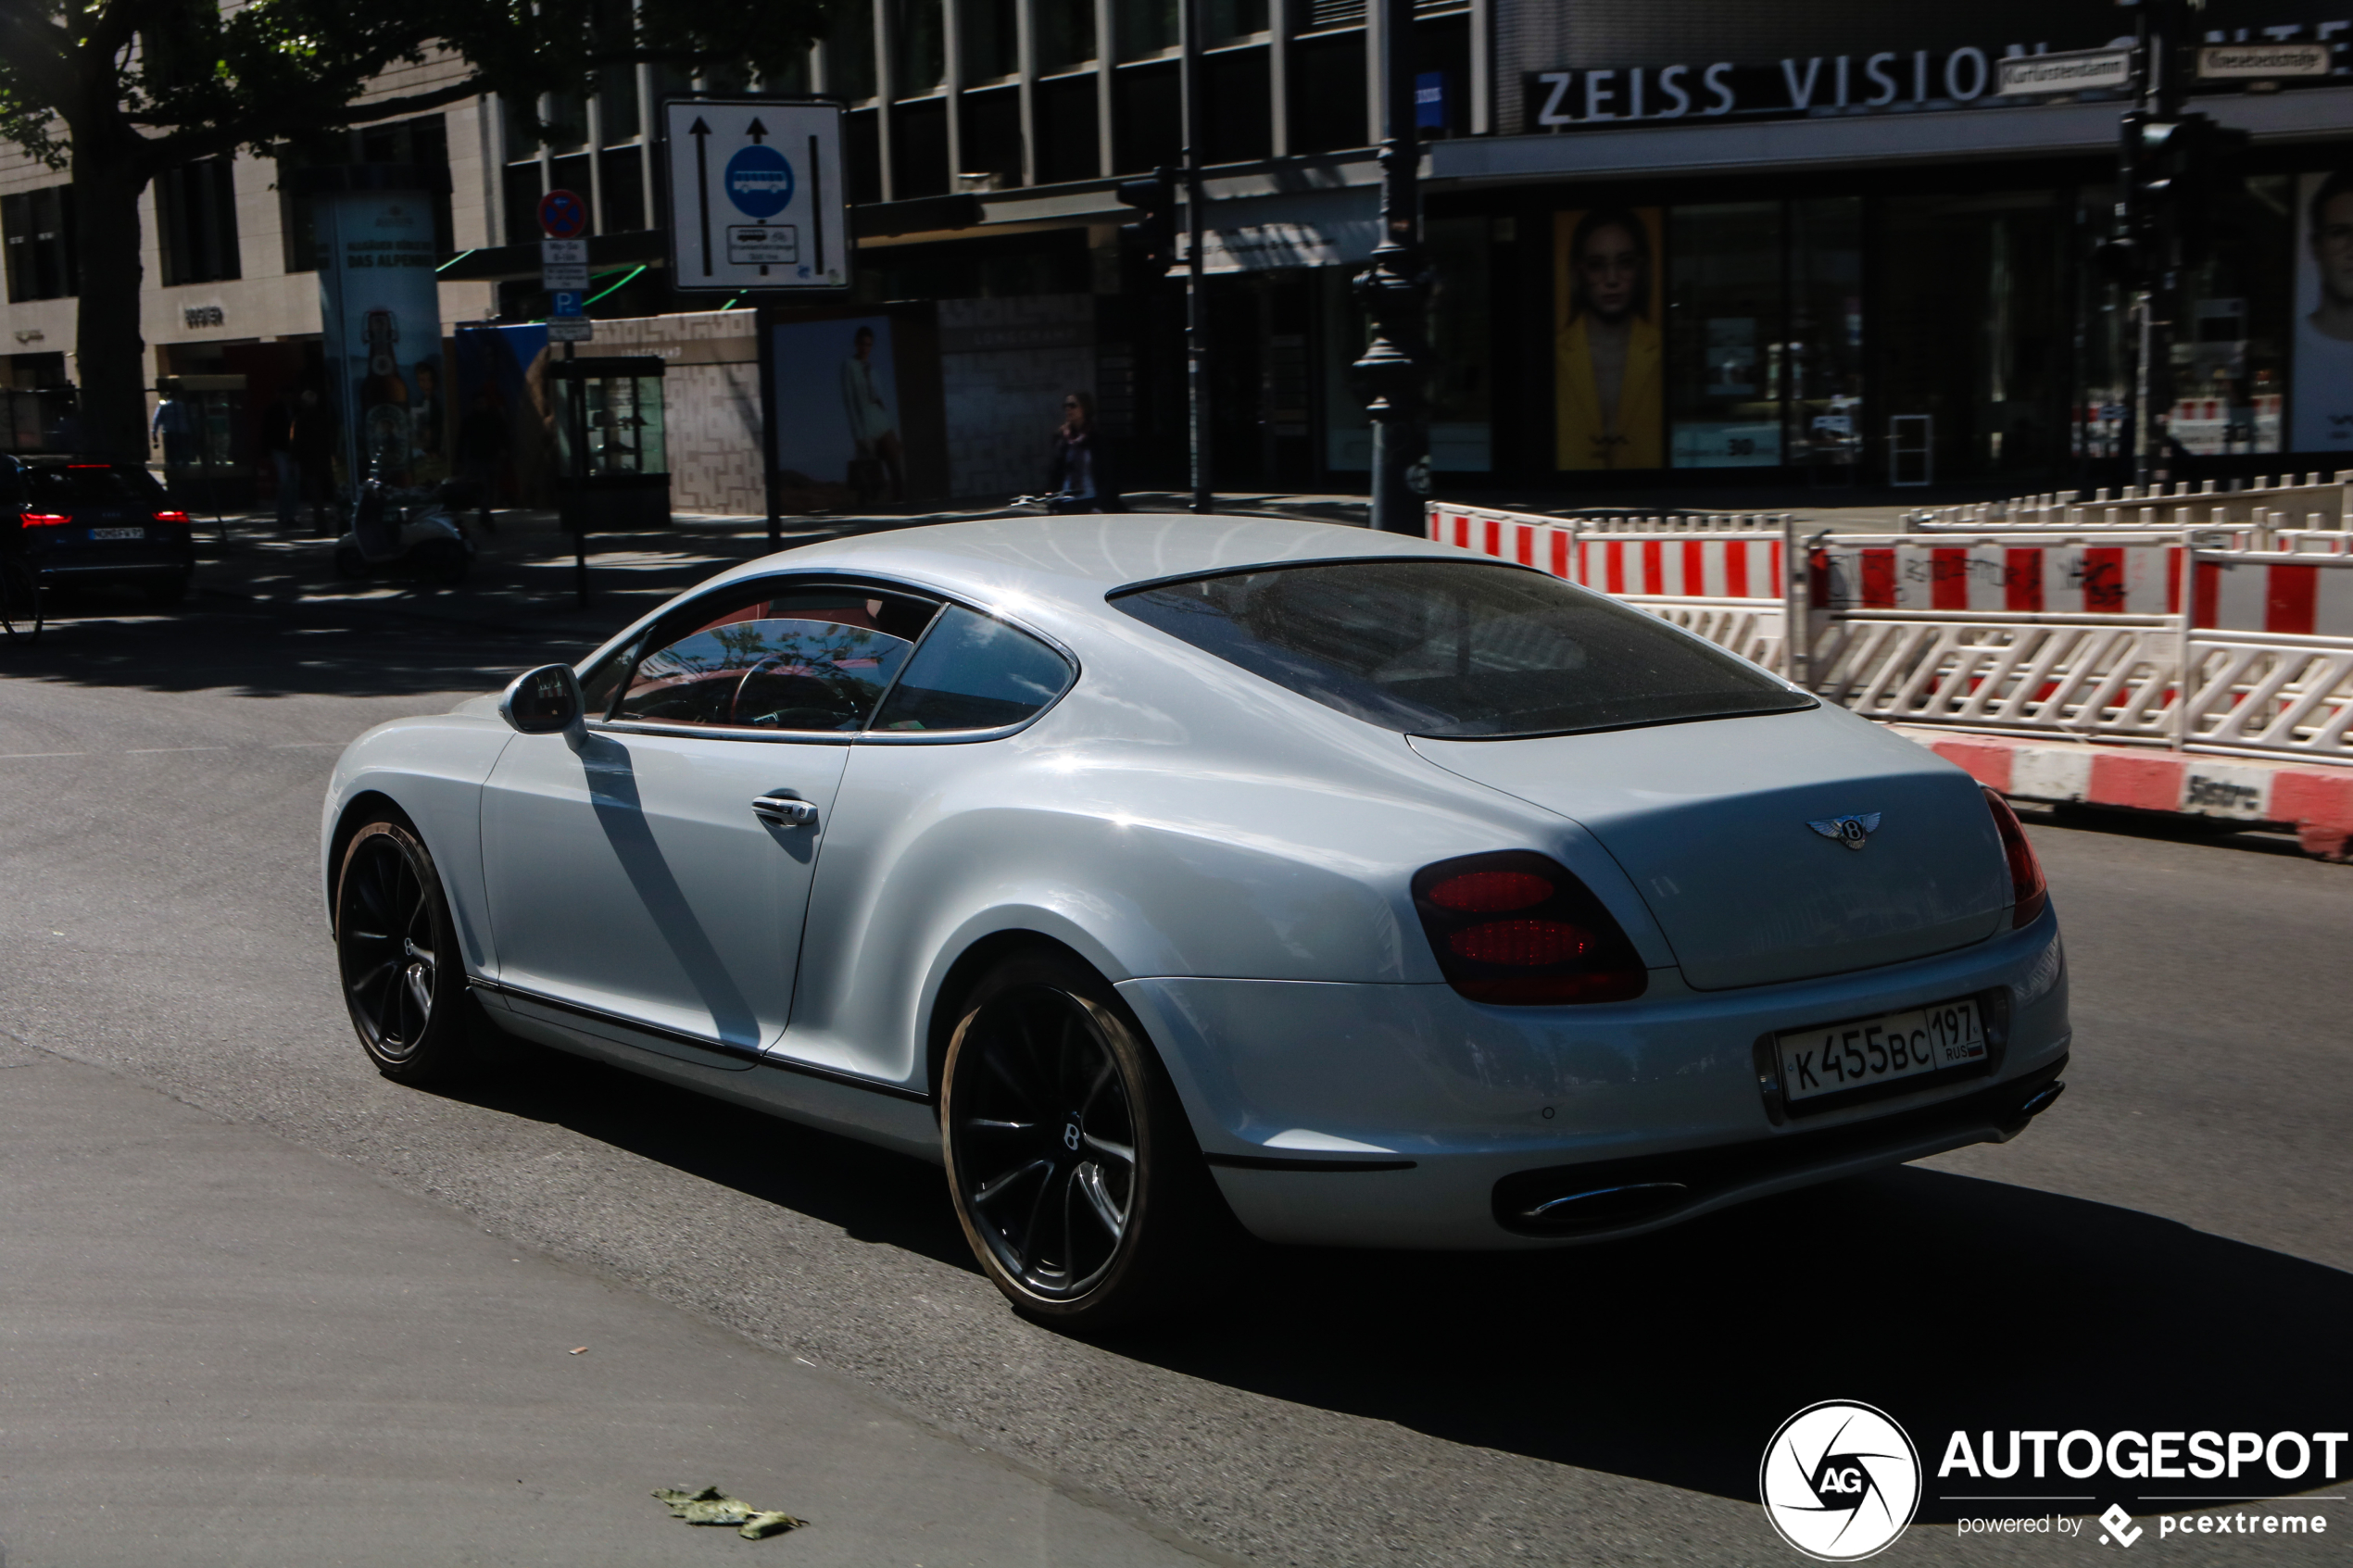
x,y
974,672
765,657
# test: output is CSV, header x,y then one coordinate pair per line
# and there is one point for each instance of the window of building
x,y
849,53
1327,93
919,149
918,46
1242,128
1224,20
1144,28
991,125
1461,344
37,227
422,141
2230,347
622,191
1065,33
618,119
1724,341
989,36
1148,117
1067,129
197,219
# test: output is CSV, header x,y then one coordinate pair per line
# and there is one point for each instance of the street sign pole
x,y
563,274
1196,279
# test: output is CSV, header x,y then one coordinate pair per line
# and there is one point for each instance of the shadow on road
x,y
1951,1302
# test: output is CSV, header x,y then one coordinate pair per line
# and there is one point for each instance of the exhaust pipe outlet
x,y
2042,1098
1625,1204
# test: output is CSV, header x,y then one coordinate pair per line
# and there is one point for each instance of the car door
x,y
648,882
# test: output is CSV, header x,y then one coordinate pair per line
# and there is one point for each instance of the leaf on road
x,y
709,1505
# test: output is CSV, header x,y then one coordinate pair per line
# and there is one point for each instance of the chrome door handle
x,y
784,812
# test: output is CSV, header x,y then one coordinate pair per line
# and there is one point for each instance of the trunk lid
x,y
1712,821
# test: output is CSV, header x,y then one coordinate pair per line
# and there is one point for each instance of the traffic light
x,y
1150,241
2176,172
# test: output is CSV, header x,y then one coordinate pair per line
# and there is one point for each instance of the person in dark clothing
x,y
1080,476
277,439
483,441
311,437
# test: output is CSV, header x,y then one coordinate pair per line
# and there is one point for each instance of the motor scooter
x,y
388,534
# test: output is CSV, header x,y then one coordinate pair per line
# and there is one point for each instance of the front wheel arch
x,y
368,806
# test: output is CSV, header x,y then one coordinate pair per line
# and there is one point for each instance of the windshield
x,y
1457,649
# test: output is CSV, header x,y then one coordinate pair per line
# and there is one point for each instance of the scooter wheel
x,y
350,563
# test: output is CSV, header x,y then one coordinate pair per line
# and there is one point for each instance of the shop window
x,y
1065,33
1241,129
987,32
1145,27
622,172
1724,339
1824,356
919,56
2231,343
1066,129
1327,93
1147,122
196,220
1610,368
1342,334
1461,345
920,149
991,143
1976,327
37,227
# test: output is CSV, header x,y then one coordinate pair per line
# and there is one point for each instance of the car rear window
x,y
1458,650
62,489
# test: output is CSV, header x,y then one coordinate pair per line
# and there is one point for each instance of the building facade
x,y
1689,243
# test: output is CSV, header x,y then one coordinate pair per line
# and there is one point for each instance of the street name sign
x,y
2245,62
2080,71
756,195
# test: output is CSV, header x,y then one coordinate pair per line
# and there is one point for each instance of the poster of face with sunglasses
x,y
2321,403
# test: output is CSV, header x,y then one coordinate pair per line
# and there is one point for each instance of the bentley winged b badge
x,y
1849,830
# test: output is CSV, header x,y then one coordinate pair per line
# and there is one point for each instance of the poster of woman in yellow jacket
x,y
1608,381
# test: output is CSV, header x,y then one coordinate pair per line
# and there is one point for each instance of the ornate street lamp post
x,y
1395,295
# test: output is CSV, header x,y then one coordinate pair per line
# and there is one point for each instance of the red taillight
x,y
1489,893
1560,945
43,519
2028,892
171,516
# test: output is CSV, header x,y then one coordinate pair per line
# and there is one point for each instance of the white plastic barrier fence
x,y
2006,632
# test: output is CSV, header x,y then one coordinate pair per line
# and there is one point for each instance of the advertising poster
x,y
838,413
1608,377
2320,400
380,311
505,417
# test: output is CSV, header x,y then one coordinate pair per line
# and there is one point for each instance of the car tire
x,y
1073,1168
396,953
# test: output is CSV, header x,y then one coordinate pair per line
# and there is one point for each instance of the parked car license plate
x,y
1873,1050
117,534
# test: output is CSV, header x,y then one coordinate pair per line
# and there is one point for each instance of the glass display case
x,y
612,458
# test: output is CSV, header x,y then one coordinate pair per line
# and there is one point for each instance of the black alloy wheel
x,y
1074,1176
402,978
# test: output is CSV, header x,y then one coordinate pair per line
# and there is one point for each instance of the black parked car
x,y
84,520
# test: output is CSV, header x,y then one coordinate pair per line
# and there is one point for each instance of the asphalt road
x,y
2167,1249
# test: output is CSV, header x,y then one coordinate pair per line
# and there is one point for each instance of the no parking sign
x,y
756,198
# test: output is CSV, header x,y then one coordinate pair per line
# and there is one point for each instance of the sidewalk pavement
x,y
218,1349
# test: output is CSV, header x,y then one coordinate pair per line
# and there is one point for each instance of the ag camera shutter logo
x,y
1840,1481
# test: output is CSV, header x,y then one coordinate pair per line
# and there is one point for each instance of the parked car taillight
x,y
1515,927
171,516
2028,892
43,519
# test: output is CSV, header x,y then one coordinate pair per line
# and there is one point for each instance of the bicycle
x,y
19,600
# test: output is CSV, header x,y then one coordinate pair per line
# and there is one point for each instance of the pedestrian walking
x,y
876,468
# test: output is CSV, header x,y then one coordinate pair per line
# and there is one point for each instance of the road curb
x,y
2315,801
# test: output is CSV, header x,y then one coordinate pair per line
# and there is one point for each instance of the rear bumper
x,y
1404,1116
115,571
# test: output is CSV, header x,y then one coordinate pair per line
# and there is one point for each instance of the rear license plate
x,y
1875,1050
117,534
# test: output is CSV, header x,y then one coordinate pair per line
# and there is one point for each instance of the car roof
x,y
1075,562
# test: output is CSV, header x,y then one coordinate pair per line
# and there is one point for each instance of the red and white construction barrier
x,y
2316,801
1715,564
2250,593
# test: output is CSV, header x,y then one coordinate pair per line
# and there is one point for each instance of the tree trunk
x,y
111,354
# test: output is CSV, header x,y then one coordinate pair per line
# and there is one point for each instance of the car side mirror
x,y
543,701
